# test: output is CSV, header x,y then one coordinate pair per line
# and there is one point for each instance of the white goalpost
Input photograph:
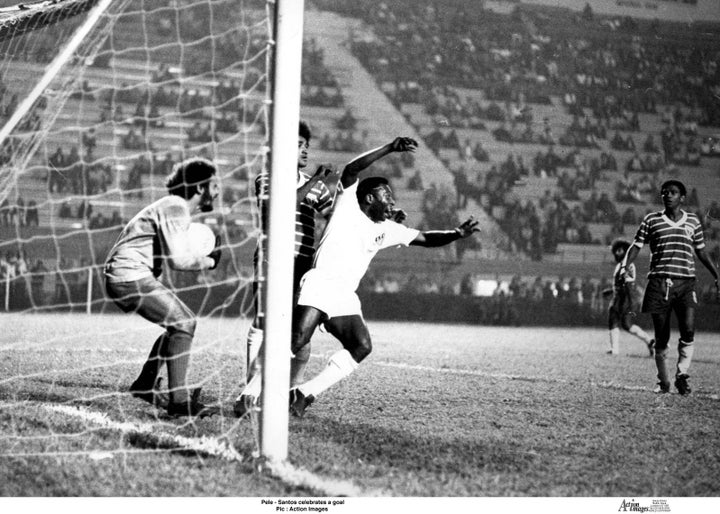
x,y
54,68
287,61
121,86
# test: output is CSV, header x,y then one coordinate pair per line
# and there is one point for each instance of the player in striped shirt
x,y
625,301
673,235
364,222
313,196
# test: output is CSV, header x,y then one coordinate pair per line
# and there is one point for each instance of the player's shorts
x,y
153,301
302,265
662,294
328,296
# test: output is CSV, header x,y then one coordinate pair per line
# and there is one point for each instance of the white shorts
x,y
328,296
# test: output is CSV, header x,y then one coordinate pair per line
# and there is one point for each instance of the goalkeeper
x,y
364,221
155,235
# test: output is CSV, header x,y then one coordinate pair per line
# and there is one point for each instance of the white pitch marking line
x,y
606,385
208,445
284,471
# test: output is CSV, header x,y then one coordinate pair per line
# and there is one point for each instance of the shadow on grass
x,y
380,446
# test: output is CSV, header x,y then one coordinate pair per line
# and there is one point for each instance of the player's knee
x,y
362,349
187,325
303,354
626,324
300,339
661,343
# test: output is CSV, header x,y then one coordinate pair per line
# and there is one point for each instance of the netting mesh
x,y
154,83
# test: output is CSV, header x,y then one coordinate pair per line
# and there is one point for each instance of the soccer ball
x,y
200,239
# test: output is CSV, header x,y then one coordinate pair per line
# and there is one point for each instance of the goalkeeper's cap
x,y
187,175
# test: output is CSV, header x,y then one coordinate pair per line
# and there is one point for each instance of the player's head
x,y
304,136
376,198
672,193
194,176
619,248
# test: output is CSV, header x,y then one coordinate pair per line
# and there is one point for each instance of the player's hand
x,y
468,227
324,171
403,144
398,215
216,253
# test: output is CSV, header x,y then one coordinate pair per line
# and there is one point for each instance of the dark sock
x,y
151,369
177,357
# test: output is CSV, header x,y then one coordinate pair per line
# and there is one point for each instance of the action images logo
x,y
636,506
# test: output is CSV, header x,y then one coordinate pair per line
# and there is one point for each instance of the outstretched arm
x,y
707,262
353,168
435,238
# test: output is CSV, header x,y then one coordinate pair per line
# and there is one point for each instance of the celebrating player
x,y
157,234
672,235
364,221
625,301
312,196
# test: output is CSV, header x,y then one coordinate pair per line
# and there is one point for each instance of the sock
x,y
177,356
254,342
660,358
640,334
685,355
253,387
615,341
340,365
298,365
151,369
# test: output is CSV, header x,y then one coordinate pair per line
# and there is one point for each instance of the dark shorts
x,y
301,266
661,296
153,301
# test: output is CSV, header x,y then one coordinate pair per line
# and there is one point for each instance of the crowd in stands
x,y
15,213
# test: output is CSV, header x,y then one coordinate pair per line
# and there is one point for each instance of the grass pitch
x,y
436,410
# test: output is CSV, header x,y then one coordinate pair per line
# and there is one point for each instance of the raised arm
x,y
435,238
353,168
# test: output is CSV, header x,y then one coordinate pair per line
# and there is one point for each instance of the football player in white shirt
x,y
364,221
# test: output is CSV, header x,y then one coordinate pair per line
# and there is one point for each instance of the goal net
x,y
153,82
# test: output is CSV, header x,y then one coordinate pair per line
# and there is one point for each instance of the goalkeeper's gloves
x,y
216,253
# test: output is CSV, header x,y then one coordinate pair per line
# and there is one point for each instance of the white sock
x,y
640,333
253,387
685,355
254,342
615,340
339,366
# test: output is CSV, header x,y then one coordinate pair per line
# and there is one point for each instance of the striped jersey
x,y
318,199
672,243
619,281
